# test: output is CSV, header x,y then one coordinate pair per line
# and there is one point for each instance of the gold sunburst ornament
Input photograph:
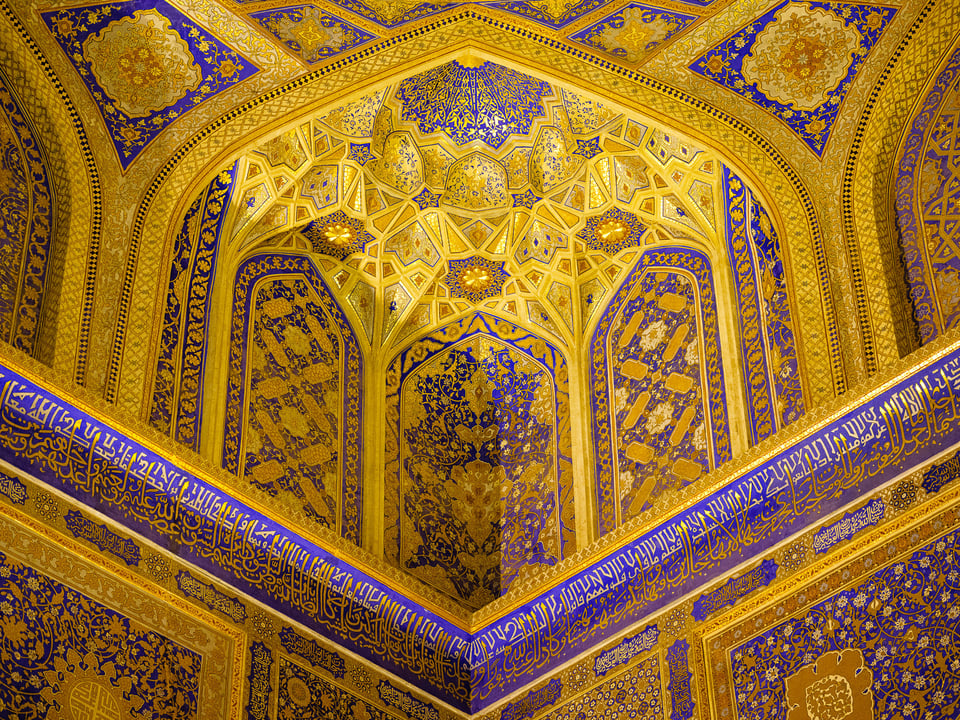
x,y
338,234
476,278
611,231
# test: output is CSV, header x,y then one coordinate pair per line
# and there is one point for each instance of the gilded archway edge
x,y
131,367
75,246
868,186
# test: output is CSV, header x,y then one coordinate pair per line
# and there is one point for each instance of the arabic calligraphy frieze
x,y
311,651
908,423
628,649
734,589
406,703
99,466
103,537
898,429
849,525
535,701
656,426
680,691
211,597
936,476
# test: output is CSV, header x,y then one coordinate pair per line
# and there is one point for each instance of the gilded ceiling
x,y
509,360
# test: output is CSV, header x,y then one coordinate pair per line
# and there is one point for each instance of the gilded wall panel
x,y
294,391
26,230
656,384
768,347
76,186
882,646
817,335
77,637
175,407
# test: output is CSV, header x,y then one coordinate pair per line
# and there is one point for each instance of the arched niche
x,y
477,461
551,258
928,203
293,425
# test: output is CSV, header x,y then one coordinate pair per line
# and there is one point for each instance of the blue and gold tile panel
x,y
294,392
886,647
797,61
778,322
177,401
549,13
488,103
308,696
261,666
657,426
393,14
64,654
311,34
478,465
850,454
103,537
768,349
552,14
634,32
637,693
144,67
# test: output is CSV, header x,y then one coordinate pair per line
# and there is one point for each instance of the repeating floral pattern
x,y
636,693
928,195
905,623
542,232
798,60
774,392
311,33
488,103
634,32
26,224
178,381
304,695
294,392
292,438
648,351
58,646
144,68
481,456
